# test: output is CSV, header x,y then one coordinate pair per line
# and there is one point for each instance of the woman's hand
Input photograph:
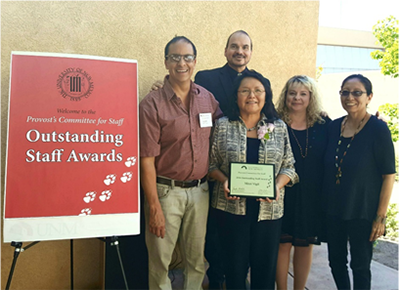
x,y
221,177
269,200
378,225
324,114
378,229
227,191
264,200
380,117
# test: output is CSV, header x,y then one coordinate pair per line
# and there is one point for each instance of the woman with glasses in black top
x,y
358,181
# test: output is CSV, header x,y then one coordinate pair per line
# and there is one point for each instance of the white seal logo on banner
x,y
75,83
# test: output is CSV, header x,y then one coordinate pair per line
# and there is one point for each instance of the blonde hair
x,y
314,108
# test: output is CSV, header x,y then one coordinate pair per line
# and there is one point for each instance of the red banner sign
x,y
72,150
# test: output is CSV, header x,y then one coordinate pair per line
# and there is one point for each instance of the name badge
x,y
205,120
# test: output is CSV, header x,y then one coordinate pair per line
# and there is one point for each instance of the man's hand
x,y
157,221
148,178
157,85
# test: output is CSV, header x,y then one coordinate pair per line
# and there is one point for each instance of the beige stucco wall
x,y
284,34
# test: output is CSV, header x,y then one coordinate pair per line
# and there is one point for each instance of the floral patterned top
x,y
229,145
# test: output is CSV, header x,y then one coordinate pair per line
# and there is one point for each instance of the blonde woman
x,y
299,107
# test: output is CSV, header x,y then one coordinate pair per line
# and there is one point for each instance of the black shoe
x,y
216,285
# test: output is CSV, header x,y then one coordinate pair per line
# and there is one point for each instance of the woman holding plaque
x,y
299,107
250,226
358,181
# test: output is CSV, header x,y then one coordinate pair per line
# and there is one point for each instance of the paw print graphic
x,y
110,179
85,211
90,196
105,195
130,161
127,176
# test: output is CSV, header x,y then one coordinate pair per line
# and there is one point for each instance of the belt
x,y
184,184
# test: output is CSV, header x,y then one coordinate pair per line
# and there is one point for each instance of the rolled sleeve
x,y
149,129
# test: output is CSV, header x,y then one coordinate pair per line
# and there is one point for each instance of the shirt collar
x,y
194,90
233,73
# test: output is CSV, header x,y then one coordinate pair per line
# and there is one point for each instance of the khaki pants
x,y
185,211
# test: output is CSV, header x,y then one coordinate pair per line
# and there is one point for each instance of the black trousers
x,y
213,249
246,243
357,232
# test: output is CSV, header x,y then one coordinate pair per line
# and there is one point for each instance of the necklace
x,y
298,143
252,128
339,165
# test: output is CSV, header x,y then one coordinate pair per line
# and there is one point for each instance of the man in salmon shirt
x,y
175,127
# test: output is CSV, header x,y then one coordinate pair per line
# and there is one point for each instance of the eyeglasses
x,y
177,57
353,93
247,92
